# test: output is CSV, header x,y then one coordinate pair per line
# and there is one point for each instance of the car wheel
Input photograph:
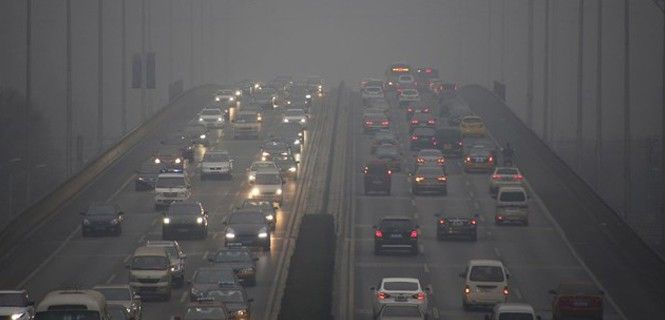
x,y
465,306
414,250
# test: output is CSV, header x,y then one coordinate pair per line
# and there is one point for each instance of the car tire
x,y
414,250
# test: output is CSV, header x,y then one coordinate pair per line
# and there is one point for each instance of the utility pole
x,y
100,75
503,42
546,73
626,112
489,43
68,102
580,84
529,67
599,94
28,95
123,69
143,63
661,5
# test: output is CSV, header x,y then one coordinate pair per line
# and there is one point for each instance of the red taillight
x,y
378,234
420,160
390,172
474,222
414,234
409,110
431,121
519,177
442,221
468,159
442,178
490,159
505,291
382,295
426,110
414,138
420,295
414,121
385,123
495,177
369,123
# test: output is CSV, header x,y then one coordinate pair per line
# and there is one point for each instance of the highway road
x,y
536,256
54,255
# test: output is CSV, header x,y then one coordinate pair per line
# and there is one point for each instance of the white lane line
x,y
205,256
129,256
435,313
214,235
413,202
183,297
497,252
111,278
518,294
141,239
154,222
426,267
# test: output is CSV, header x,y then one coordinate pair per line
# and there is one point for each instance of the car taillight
x,y
519,177
490,159
390,172
368,122
420,296
431,121
385,123
378,234
409,109
420,160
467,290
414,121
420,178
467,159
414,138
441,160
474,222
495,177
442,178
505,291
382,295
442,221
414,234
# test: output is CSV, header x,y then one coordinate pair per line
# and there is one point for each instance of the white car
x,y
520,311
268,187
371,92
211,117
407,96
485,283
15,305
171,187
399,290
406,81
295,116
178,258
259,165
216,163
227,96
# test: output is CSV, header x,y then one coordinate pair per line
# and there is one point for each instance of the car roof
x,y
396,279
513,307
92,300
161,243
396,217
485,262
150,251
112,286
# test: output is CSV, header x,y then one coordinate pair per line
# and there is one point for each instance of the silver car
x,y
122,295
178,258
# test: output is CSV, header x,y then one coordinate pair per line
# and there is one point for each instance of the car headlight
x,y
241,313
199,220
263,233
288,102
232,99
302,120
278,192
270,217
252,177
299,134
296,142
238,93
259,118
309,96
286,120
200,119
292,169
17,316
265,154
219,119
114,221
230,234
255,192
217,99
177,160
86,222
203,136
157,161
166,220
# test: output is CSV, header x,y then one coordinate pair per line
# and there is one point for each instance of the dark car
x,y
248,228
479,159
196,135
238,259
450,141
455,226
274,148
423,138
208,279
266,207
383,137
205,309
299,96
235,299
292,135
377,176
391,154
422,120
102,218
118,312
396,233
577,299
188,218
146,176
412,109
287,164
173,149
429,179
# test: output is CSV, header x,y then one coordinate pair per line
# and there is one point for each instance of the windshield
x,y
515,316
246,118
184,209
170,182
115,293
13,300
211,276
400,286
294,113
67,315
405,78
211,112
373,89
101,210
387,151
150,263
486,274
232,256
268,179
216,157
247,218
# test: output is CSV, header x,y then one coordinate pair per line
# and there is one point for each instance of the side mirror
x,y
417,227
374,227
507,275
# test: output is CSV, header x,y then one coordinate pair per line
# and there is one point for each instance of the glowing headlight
x,y
288,102
302,120
166,220
256,86
203,136
177,160
200,119
259,118
217,99
219,119
296,142
255,192
17,316
265,154
274,98
320,87
263,235
270,217
157,161
309,96
241,313
292,169
286,120
238,92
232,99
278,192
114,221
230,234
299,134
199,220
252,177
86,222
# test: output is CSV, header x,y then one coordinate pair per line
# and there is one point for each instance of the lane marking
x,y
141,239
518,293
426,267
205,256
129,256
497,252
435,313
111,278
183,297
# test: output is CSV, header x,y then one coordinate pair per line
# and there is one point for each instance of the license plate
x,y
447,146
396,236
401,298
580,304
480,160
377,182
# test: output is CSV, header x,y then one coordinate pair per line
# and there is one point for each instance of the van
x,y
485,284
151,272
171,187
73,304
512,206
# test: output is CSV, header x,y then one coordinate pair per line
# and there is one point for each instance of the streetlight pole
x,y
599,94
123,69
68,102
626,112
580,83
100,75
546,73
529,67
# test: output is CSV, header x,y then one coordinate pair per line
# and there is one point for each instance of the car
x,y
371,82
16,305
456,226
413,108
505,177
396,233
266,207
485,283
187,218
422,120
392,154
288,166
430,157
122,295
197,135
300,96
72,304
450,141
512,206
274,148
522,311
205,308
235,299
472,126
383,137
146,176
211,117
429,179
172,152
102,218
268,187
423,138
264,98
375,121
118,312
251,107
479,159
316,85
206,279
246,124
577,299
456,111
378,103
216,163
293,115
227,97
423,76
292,135
371,92
238,259
257,166
407,96
171,188
248,228
405,81
435,86
393,72
150,272
401,311
406,291
377,176
177,256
